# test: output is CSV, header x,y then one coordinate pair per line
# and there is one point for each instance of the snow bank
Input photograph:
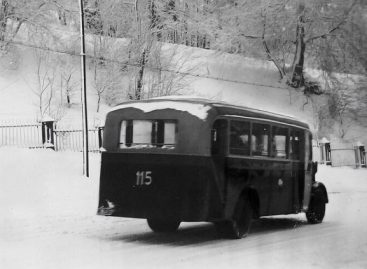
x,y
42,182
343,179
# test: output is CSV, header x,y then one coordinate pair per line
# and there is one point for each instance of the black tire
x,y
163,226
240,224
316,210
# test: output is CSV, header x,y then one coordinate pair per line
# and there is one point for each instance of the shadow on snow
x,y
203,233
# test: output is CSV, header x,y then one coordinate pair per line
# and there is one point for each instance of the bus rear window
x,y
148,134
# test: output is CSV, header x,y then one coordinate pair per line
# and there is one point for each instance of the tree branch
x,y
327,33
251,36
268,53
346,14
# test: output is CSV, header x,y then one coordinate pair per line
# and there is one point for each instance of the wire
x,y
147,66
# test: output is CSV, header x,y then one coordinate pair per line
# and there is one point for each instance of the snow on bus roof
x,y
199,110
196,106
217,103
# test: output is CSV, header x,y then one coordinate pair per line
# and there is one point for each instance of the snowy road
x,y
48,221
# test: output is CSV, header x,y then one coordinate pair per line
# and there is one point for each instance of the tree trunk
x,y
98,102
3,19
139,81
155,24
299,56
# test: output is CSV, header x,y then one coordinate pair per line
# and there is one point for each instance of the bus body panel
x,y
274,181
170,187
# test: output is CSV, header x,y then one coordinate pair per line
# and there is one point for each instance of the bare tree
x,y
68,83
109,71
169,77
285,29
108,85
13,14
46,88
45,76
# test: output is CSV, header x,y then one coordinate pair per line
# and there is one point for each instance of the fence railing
x,y
342,154
73,139
23,135
45,134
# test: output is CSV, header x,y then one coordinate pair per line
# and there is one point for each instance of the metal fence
x,y
45,134
22,135
73,140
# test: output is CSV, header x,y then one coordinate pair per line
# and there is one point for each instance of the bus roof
x,y
201,108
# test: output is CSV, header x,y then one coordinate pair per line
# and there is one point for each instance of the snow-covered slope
x,y
218,76
226,77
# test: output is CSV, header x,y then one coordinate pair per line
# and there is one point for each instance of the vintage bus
x,y
173,160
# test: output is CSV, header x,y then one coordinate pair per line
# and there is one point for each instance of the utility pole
x,y
84,93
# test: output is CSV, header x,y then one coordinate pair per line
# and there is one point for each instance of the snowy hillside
x,y
231,78
219,76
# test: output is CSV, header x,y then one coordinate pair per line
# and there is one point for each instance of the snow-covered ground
x,y
48,220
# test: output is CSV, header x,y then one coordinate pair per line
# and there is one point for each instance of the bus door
x,y
219,149
281,174
307,170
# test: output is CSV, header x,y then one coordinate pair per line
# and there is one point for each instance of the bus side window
x,y
295,145
239,138
279,142
260,139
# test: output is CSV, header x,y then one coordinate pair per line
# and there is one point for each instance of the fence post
x,y
325,151
328,153
361,154
357,157
100,134
48,132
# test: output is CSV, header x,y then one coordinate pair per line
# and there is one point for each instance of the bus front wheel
x,y
240,224
163,226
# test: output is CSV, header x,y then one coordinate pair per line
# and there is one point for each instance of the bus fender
x,y
320,187
239,193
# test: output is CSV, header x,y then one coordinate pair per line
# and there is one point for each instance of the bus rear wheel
x,y
316,211
239,226
163,226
